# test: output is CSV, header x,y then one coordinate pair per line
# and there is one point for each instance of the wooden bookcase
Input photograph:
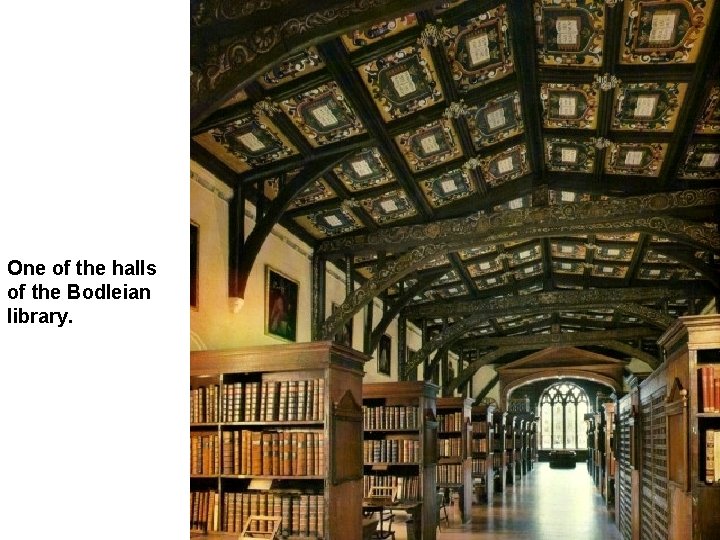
x,y
526,441
454,469
609,468
692,343
400,446
590,431
277,430
481,449
511,430
499,457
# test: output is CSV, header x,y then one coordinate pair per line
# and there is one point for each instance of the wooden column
x,y
236,239
402,347
318,294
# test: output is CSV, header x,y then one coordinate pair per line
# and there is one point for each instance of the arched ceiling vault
x,y
454,154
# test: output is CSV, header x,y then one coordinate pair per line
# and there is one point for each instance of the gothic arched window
x,y
562,411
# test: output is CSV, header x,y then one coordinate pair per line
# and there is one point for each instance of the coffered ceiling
x,y
478,110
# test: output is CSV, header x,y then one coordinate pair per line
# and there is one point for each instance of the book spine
x,y
704,375
709,456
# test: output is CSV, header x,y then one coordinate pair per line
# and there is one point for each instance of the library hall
x,y
454,269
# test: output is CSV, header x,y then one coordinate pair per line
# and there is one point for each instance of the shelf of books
x,y
499,458
692,408
526,440
482,451
454,470
277,431
511,429
400,446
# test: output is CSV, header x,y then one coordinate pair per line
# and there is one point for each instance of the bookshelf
x,y
277,431
400,417
528,448
454,470
481,449
499,458
609,468
691,344
511,430
590,432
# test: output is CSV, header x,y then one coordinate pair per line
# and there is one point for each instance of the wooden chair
x,y
442,509
254,524
384,496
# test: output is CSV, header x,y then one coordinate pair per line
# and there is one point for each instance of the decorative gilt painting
x,y
364,170
323,115
568,155
249,141
569,105
402,83
505,166
391,206
381,30
647,106
448,187
429,145
657,32
479,50
702,162
317,191
570,33
296,65
498,119
329,222
635,159
710,118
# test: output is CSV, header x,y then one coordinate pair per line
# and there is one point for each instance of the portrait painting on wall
x,y
384,354
281,295
344,337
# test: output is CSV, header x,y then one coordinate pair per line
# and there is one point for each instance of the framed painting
x,y
384,349
281,295
344,337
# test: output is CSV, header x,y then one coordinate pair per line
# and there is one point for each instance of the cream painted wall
x,y
482,377
213,325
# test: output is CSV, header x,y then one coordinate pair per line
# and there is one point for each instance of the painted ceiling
x,y
462,109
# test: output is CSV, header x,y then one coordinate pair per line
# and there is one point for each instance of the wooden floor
x,y
547,504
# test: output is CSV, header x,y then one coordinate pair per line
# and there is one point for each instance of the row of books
x,y
267,401
408,487
451,422
479,428
450,474
712,456
391,451
390,417
450,447
204,404
479,445
204,510
478,467
302,514
709,389
273,453
204,453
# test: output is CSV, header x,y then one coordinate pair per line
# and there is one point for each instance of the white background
x,y
94,129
